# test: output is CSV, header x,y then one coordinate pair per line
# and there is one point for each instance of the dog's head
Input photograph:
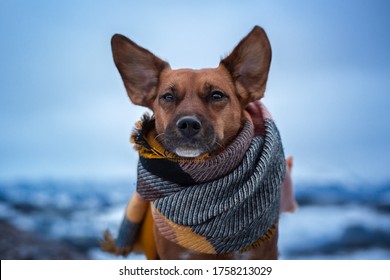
x,y
196,111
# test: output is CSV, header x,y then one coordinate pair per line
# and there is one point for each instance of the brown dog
x,y
196,112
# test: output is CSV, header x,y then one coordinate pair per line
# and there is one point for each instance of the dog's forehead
x,y
196,79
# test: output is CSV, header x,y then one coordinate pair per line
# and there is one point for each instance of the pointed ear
x,y
140,69
249,65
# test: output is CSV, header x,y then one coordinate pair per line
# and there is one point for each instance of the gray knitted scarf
x,y
218,204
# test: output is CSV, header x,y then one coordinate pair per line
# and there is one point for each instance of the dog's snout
x,y
189,126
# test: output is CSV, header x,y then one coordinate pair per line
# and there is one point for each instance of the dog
x,y
196,112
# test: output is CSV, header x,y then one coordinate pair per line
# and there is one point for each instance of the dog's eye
x,y
168,97
217,95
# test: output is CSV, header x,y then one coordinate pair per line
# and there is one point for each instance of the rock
x,y
16,244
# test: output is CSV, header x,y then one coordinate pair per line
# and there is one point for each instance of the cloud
x,y
64,110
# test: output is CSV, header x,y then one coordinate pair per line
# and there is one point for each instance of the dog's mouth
x,y
190,137
190,148
188,152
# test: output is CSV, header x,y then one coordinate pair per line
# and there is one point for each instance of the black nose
x,y
189,126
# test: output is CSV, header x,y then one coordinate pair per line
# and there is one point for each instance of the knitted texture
x,y
127,233
215,204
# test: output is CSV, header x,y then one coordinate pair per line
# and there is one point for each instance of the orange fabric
x,y
145,242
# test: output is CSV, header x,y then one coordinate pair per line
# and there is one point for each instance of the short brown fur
x,y
198,111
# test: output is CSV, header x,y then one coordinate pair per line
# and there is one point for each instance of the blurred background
x,y
67,168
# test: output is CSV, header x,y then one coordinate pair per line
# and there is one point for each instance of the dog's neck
x,y
146,139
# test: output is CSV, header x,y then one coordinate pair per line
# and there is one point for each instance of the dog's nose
x,y
189,126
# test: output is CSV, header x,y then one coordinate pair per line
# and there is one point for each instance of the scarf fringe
x,y
266,237
139,138
144,138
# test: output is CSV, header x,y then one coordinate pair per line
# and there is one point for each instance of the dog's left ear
x,y
249,65
139,68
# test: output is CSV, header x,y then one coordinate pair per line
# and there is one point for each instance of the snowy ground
x,y
334,221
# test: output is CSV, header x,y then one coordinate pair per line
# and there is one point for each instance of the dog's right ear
x,y
249,65
139,68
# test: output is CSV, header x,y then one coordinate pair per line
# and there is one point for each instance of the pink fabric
x,y
287,196
259,112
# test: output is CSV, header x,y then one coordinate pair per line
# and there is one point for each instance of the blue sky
x,y
64,112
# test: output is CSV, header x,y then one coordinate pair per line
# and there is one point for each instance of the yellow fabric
x,y
145,242
181,235
136,209
156,151
185,237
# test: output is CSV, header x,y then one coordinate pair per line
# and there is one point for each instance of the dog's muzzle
x,y
189,136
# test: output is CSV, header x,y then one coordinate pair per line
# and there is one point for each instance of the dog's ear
x,y
249,65
139,69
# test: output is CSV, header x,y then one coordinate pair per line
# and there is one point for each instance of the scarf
x,y
213,204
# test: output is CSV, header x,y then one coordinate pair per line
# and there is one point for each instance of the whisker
x,y
211,149
219,144
159,135
230,138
